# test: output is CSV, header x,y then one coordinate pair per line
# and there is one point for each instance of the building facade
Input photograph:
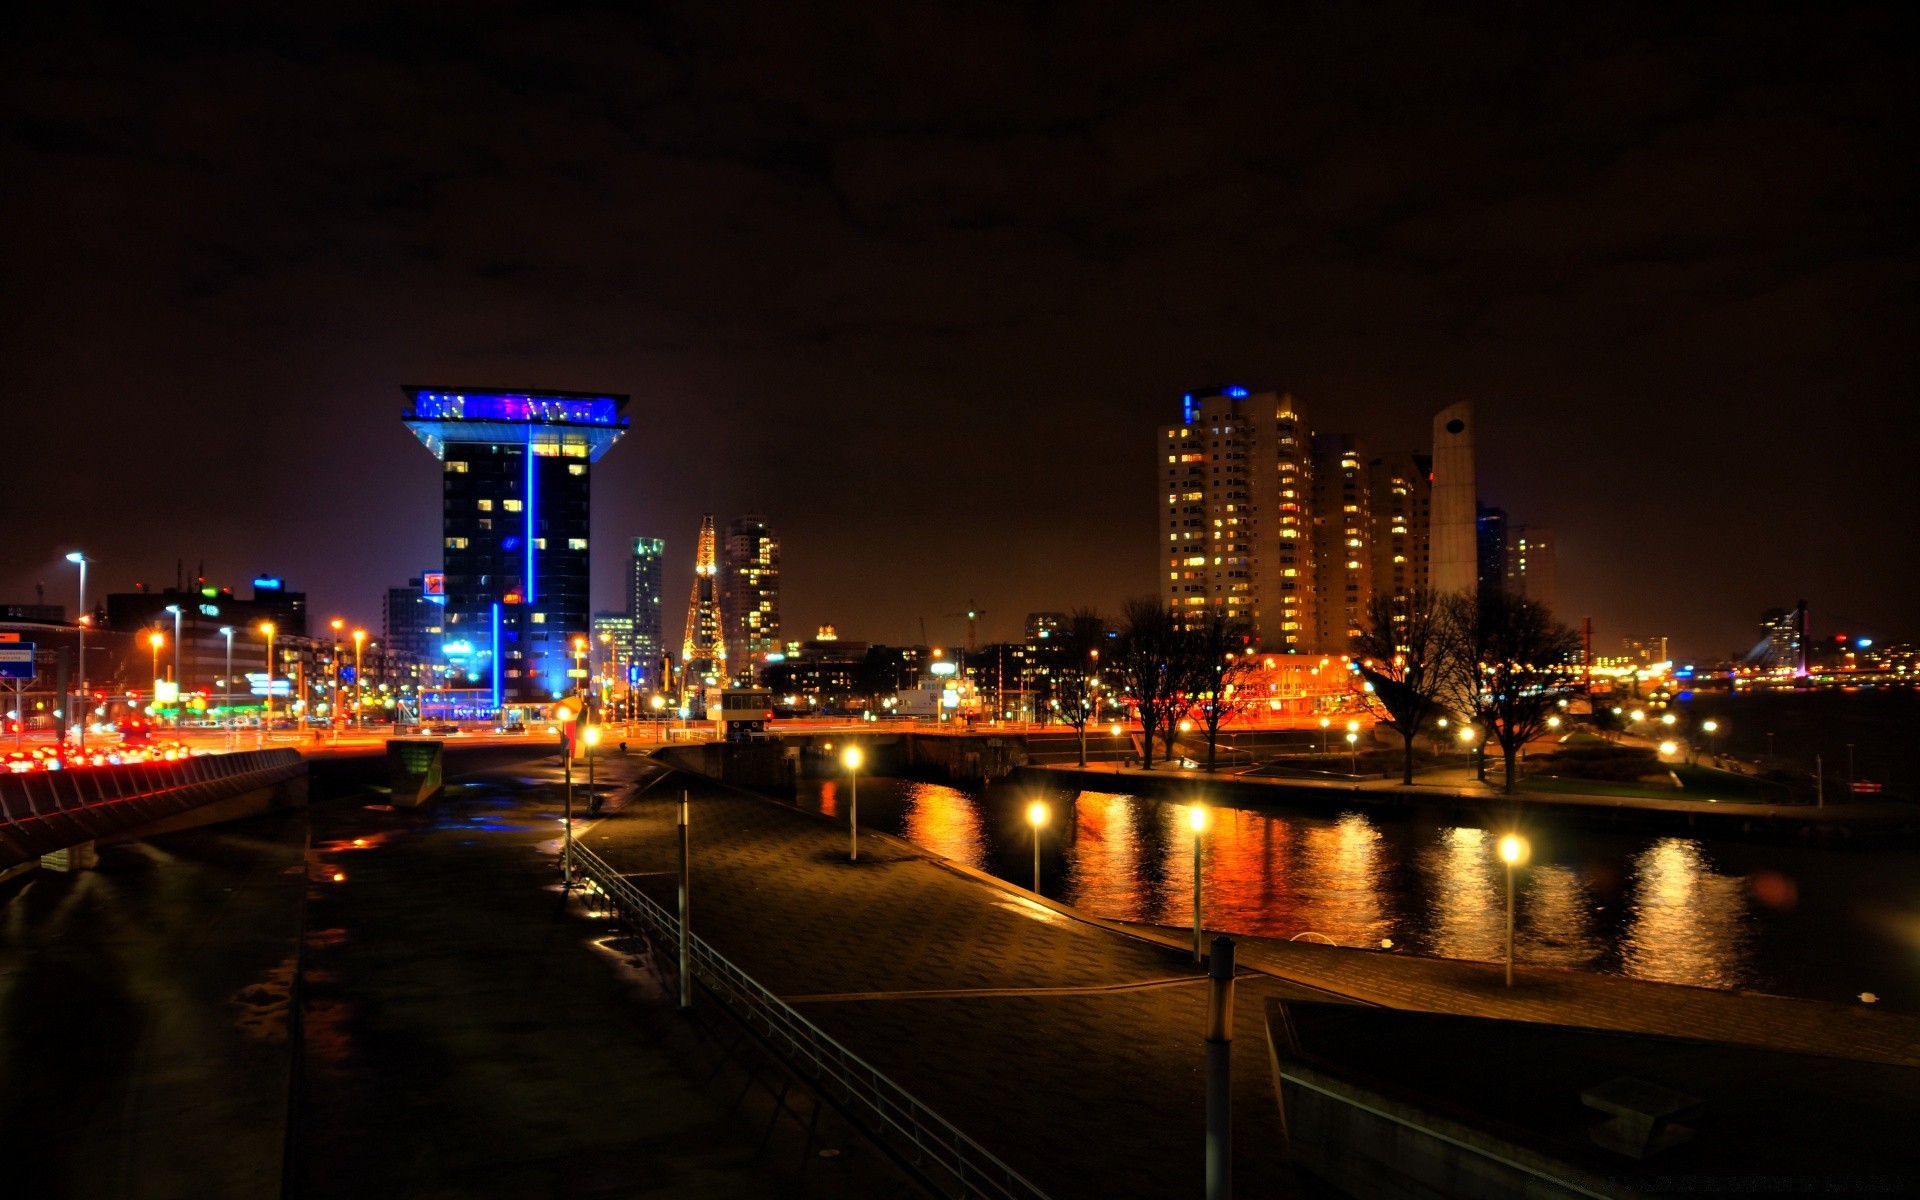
x,y
516,507
648,640
1342,515
750,599
703,646
1530,565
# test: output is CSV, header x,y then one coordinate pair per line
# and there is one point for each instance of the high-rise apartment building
x,y
612,647
1341,496
703,649
1490,551
648,641
515,512
1529,564
750,595
1236,534
1402,505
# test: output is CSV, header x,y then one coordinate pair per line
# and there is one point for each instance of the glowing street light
x,y
851,757
1325,724
156,639
1353,748
1037,815
1197,819
359,684
591,735
226,685
1513,852
179,683
266,718
1669,749
80,624
563,717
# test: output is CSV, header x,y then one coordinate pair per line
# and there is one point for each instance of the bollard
x,y
686,906
1220,1070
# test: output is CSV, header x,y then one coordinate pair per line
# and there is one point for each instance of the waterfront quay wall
x,y
1836,824
46,812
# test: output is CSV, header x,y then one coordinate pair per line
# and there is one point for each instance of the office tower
x,y
1401,499
1453,550
648,640
703,650
1235,533
1529,564
1342,535
750,595
516,469
612,647
1045,626
1490,551
410,623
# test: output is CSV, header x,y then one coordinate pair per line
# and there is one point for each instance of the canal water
x,y
1825,924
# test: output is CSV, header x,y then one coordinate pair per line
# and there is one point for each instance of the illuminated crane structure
x,y
703,655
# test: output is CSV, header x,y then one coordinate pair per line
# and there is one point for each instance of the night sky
x,y
919,283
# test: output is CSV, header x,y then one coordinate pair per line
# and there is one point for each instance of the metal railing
x,y
949,1159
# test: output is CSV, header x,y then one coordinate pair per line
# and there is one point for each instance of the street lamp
x,y
1353,749
1197,819
266,718
1036,817
591,734
1325,724
563,716
1513,852
80,623
156,639
579,672
333,673
359,684
226,686
179,695
851,757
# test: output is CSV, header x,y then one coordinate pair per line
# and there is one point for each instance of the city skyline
x,y
1639,266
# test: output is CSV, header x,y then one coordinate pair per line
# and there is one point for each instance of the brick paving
x,y
1092,1093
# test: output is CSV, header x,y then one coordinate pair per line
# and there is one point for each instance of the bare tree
x,y
1152,663
1222,668
1405,653
1515,663
1072,698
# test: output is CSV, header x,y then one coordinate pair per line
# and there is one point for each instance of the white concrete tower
x,y
1453,536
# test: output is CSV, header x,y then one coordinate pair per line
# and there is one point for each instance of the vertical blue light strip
x,y
531,506
496,656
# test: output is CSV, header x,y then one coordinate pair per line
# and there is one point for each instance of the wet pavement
x,y
459,1028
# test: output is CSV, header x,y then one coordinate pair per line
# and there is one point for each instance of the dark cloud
x,y
919,281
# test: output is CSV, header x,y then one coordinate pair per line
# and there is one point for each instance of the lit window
x,y
539,618
539,543
456,467
574,543
456,543
483,505
576,468
510,505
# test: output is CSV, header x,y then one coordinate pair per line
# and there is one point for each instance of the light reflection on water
x,y
1673,909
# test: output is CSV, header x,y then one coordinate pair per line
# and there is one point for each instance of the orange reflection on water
x,y
1466,896
1555,918
1685,923
1103,855
942,819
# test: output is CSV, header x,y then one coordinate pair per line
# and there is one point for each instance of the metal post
x,y
1819,783
1509,924
686,906
853,814
1036,859
1849,770
80,624
1220,1071
566,845
1196,896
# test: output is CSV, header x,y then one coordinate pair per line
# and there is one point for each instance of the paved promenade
x,y
964,990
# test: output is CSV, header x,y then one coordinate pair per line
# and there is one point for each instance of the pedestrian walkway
x,y
1071,1048
999,1012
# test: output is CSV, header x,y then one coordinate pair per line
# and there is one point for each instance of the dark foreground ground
x,y
458,1031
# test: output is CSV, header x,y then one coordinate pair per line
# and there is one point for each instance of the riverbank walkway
x,y
1072,1048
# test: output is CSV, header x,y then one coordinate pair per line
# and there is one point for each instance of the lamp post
x,y
1197,818
80,623
564,717
1036,817
1353,751
179,692
226,685
156,639
579,672
333,699
1325,724
591,735
1513,852
359,682
266,717
852,760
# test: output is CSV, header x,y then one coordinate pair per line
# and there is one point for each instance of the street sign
x,y
9,637
16,660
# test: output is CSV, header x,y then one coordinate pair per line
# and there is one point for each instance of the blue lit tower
x,y
516,471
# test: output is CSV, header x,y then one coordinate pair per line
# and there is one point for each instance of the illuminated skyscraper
x,y
643,605
1235,531
1529,564
750,595
1342,537
703,651
516,467
1401,500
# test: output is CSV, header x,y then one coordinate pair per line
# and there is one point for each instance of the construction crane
x,y
973,616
